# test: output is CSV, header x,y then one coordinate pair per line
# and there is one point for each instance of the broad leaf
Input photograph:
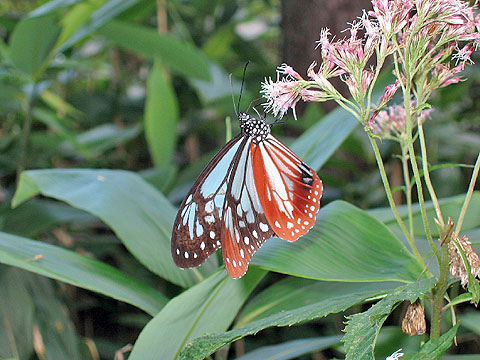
x,y
180,56
140,216
31,43
362,329
206,345
292,293
346,244
161,116
72,268
51,6
450,208
291,349
209,306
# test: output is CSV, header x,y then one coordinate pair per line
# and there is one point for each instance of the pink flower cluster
x,y
423,36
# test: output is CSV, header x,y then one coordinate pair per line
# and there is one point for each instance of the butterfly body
x,y
253,189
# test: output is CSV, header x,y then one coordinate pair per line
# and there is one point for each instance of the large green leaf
x,y
72,268
31,43
450,208
346,244
140,216
292,293
327,304
51,6
209,306
362,329
161,116
291,349
180,56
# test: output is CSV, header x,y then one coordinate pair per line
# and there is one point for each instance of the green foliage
x,y
118,119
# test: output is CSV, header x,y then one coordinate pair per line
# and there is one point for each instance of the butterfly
x,y
253,189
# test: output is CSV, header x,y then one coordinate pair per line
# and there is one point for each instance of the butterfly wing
x,y
245,225
197,228
288,189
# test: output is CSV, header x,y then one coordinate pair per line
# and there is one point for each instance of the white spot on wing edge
x,y
277,224
202,246
263,227
212,234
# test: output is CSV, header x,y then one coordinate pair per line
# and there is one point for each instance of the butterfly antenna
x,y
233,96
243,81
250,106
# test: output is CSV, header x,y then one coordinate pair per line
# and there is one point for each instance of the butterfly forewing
x,y
288,189
197,227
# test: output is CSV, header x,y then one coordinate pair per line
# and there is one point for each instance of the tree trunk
x,y
302,21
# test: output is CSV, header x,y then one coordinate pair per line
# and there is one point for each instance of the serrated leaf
x,y
208,344
78,270
209,306
140,215
346,244
434,348
362,329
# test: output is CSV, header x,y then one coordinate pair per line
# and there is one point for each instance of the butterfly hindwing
x,y
288,189
245,226
197,227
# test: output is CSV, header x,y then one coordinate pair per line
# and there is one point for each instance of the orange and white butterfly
x,y
253,189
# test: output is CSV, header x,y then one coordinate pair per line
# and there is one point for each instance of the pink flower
x,y
281,95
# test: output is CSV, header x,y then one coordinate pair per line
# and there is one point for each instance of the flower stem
x,y
438,295
408,187
389,194
416,172
426,175
469,195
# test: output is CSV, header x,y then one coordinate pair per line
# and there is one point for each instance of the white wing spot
x,y
209,219
195,255
246,240
293,234
297,231
312,208
188,199
306,222
219,243
209,206
239,263
310,215
212,234
234,263
199,229
299,221
178,251
202,246
289,225
239,209
263,227
241,223
309,197
314,200
316,192
303,227
277,224
254,233
242,254
251,246
228,259
186,255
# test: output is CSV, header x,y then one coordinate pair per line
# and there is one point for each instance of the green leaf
x,y
51,6
178,55
435,348
32,42
471,321
346,244
208,344
292,293
93,15
161,116
16,312
72,268
41,215
291,349
362,329
140,216
209,306
451,207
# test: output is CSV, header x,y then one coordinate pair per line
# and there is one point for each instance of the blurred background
x,y
106,99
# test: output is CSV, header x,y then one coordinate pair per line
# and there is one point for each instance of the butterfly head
x,y
252,127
